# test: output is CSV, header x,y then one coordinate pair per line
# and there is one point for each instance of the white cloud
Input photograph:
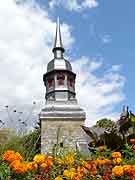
x,y
74,5
89,3
26,37
102,92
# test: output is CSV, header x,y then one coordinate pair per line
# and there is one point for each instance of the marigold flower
x,y
14,164
66,173
31,166
127,168
101,162
118,171
71,173
116,155
7,154
43,165
58,178
11,156
39,158
49,161
69,159
19,167
117,160
87,165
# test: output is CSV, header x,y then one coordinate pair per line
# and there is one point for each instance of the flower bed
x,y
103,165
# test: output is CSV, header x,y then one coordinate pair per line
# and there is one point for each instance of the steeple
x,y
58,49
61,111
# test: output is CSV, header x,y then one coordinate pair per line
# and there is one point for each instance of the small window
x,y
61,144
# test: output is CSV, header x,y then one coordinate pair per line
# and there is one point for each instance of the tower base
x,y
61,125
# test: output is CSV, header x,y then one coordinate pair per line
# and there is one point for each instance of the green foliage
x,y
32,144
14,143
4,171
105,123
28,145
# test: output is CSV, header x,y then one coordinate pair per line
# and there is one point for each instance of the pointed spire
x,y
58,41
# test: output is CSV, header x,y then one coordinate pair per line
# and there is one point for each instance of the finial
x,y
58,41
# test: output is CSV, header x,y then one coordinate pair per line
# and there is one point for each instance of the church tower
x,y
61,119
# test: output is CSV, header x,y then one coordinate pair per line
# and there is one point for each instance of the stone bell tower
x,y
61,119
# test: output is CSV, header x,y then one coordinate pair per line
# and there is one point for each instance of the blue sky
x,y
99,40
113,21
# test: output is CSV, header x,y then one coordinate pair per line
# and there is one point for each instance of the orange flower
x,y
18,167
14,164
7,154
87,165
101,162
71,173
49,161
116,155
118,171
21,168
127,168
11,156
81,170
39,158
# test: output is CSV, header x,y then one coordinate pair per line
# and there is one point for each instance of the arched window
x,y
50,82
61,79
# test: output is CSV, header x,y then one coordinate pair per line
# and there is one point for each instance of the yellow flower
x,y
66,173
31,166
71,173
118,171
43,165
58,178
39,158
116,155
69,159
117,160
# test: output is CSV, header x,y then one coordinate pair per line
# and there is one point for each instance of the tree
x,y
105,123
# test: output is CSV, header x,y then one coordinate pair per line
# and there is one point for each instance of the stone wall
x,y
58,131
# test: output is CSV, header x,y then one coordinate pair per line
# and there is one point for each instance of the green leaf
x,y
132,117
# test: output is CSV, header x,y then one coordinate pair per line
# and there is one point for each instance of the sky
x,y
99,40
